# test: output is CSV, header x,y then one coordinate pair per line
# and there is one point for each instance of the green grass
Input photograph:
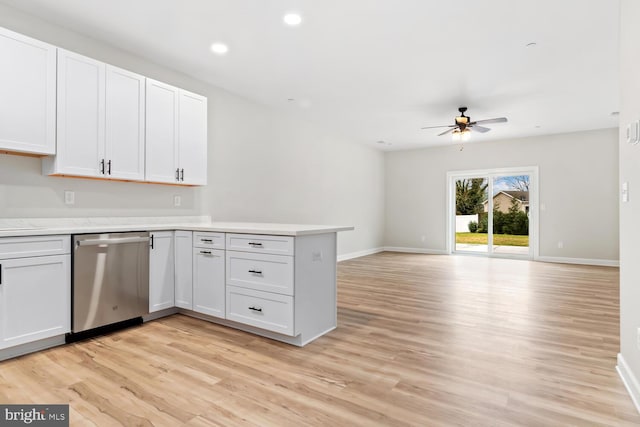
x,y
498,239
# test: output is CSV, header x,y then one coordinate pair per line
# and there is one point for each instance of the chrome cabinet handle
x,y
255,271
178,174
255,244
181,174
256,308
102,166
109,167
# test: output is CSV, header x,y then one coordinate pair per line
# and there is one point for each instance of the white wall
x,y
264,164
577,178
269,168
630,211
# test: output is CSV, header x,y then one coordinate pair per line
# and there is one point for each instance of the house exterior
x,y
502,201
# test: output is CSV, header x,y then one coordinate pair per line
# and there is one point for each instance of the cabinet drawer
x,y
270,273
202,239
264,310
22,247
277,245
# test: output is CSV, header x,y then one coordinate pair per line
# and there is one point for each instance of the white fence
x,y
462,222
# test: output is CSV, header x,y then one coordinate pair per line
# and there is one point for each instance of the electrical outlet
x,y
177,201
560,244
69,197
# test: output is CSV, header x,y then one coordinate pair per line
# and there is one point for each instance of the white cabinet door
x,y
28,94
184,269
35,299
124,137
162,132
208,282
192,157
161,271
81,115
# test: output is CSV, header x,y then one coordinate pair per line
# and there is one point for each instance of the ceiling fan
x,y
463,125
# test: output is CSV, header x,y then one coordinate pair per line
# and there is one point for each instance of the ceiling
x,y
380,70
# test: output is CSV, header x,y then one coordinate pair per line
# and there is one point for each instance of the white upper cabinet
x,y
100,120
81,116
124,138
28,94
162,133
192,154
176,135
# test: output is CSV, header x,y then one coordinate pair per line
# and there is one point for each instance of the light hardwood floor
x,y
421,340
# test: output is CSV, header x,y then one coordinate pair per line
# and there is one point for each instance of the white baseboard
x,y
585,261
630,381
416,250
358,254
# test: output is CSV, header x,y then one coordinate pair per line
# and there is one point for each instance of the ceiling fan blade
x,y
448,131
487,121
480,129
435,127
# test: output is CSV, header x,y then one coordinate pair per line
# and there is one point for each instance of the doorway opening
x,y
494,212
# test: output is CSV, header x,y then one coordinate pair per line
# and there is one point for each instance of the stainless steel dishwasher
x,y
110,279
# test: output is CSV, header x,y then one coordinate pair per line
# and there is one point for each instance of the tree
x,y
470,196
518,182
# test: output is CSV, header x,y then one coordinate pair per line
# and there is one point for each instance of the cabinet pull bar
x,y
109,167
255,271
254,308
0,274
206,252
102,166
255,244
206,240
151,239
178,174
181,174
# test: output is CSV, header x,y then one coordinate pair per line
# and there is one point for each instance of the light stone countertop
x,y
14,227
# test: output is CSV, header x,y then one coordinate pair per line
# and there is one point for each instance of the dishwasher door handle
x,y
122,240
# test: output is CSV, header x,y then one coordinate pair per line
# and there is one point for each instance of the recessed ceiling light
x,y
538,126
380,142
219,48
615,113
292,19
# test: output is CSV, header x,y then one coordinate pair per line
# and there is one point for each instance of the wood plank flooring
x,y
421,341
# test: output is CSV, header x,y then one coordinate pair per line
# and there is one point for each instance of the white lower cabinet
x,y
283,285
184,269
35,291
208,282
161,271
266,310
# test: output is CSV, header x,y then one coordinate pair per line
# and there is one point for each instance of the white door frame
x,y
534,212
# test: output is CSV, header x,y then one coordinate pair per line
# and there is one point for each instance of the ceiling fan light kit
x,y
462,127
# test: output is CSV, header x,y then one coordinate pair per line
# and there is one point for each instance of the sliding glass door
x,y
491,212
510,214
471,194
